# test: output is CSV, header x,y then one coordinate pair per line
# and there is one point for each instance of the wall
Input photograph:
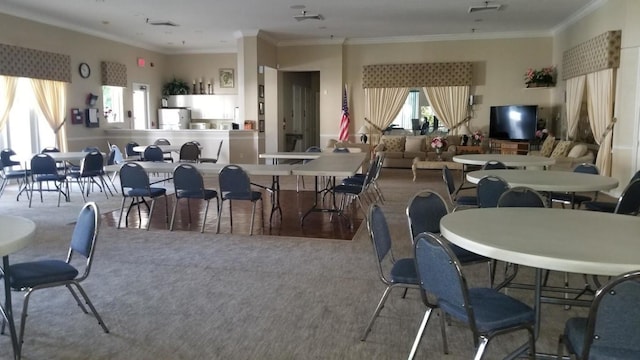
x,y
198,67
613,15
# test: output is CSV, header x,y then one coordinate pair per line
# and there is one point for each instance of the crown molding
x,y
311,42
579,15
449,37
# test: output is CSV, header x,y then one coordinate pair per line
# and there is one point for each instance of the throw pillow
x,y
414,144
393,143
547,146
577,151
561,149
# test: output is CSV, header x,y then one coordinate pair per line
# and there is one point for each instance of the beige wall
x,y
198,67
613,15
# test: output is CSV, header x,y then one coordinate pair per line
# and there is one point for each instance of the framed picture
x,y
261,91
77,117
226,78
260,125
260,108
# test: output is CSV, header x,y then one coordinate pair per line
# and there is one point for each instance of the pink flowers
x,y
545,76
541,134
438,142
477,136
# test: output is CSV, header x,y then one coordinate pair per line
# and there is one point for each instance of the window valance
x,y
600,53
113,74
417,75
36,64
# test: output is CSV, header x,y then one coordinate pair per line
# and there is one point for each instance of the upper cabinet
x,y
207,107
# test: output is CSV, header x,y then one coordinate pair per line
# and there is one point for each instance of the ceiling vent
x,y
305,16
161,23
485,7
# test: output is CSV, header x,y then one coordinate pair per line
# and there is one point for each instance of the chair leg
x,y
173,213
93,309
23,319
204,218
231,215
253,215
220,207
418,338
166,211
75,296
443,330
381,303
121,211
153,202
481,347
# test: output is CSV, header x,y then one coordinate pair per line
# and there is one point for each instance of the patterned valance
x,y
36,64
113,74
417,75
601,52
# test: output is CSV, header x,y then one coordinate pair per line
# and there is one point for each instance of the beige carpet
x,y
186,295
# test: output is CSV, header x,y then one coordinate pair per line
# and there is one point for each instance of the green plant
x,y
175,87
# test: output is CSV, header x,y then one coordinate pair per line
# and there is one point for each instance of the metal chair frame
x,y
134,183
189,184
236,185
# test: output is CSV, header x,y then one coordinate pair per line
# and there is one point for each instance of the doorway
x,y
301,104
141,107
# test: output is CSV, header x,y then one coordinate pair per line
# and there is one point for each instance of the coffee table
x,y
432,165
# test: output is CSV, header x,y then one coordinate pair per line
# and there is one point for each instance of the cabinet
x,y
207,107
510,148
471,149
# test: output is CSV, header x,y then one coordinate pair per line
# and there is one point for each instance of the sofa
x,y
400,150
568,154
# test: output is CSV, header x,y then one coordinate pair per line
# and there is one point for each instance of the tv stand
x,y
506,147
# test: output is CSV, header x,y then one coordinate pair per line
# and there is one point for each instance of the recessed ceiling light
x,y
105,22
322,27
297,7
477,20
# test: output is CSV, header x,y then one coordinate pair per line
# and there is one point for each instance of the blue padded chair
x,y
188,184
610,331
424,211
358,179
360,193
402,272
605,206
341,150
8,172
311,149
167,155
128,149
189,152
43,274
236,185
486,311
44,169
211,160
571,198
494,165
153,153
521,196
458,201
134,183
91,171
489,189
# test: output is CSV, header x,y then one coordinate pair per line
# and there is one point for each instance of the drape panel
x,y
52,99
575,94
600,99
381,106
449,103
8,86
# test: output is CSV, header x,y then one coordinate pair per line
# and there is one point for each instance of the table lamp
x,y
464,131
363,131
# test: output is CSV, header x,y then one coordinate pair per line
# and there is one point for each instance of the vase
x,y
439,154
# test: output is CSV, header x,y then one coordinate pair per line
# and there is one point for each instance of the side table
x,y
469,149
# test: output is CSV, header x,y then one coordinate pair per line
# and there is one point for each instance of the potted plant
x,y
175,87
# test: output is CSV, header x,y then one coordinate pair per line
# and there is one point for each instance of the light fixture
x,y
363,131
487,6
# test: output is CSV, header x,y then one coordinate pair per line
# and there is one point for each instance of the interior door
x,y
141,119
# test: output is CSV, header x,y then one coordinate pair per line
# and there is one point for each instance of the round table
x,y
164,148
17,232
508,160
560,181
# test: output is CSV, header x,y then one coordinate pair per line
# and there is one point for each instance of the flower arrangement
x,y
477,137
542,134
545,76
438,143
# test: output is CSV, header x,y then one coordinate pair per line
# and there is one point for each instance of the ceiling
x,y
214,26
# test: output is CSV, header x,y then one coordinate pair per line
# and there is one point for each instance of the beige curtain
x,y
8,86
575,94
381,106
449,103
600,99
52,99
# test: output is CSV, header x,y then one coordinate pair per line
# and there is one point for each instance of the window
x,y
112,104
27,131
410,110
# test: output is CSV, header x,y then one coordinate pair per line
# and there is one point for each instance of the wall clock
x,y
84,70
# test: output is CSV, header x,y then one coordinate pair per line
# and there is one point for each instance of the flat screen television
x,y
513,122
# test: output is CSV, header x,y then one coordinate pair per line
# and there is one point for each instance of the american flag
x,y
344,121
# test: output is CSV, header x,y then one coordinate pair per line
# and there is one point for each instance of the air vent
x,y
305,16
485,7
161,23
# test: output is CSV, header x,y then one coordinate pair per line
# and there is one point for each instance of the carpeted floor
x,y
186,295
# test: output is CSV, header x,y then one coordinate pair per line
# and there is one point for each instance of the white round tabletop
x,y
164,148
576,241
17,232
508,160
563,181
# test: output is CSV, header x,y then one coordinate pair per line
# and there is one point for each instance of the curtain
x,y
449,103
575,94
600,99
52,99
381,107
8,86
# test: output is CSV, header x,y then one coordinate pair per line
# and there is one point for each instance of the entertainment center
x,y
512,128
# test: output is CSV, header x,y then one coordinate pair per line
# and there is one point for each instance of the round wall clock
x,y
84,70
